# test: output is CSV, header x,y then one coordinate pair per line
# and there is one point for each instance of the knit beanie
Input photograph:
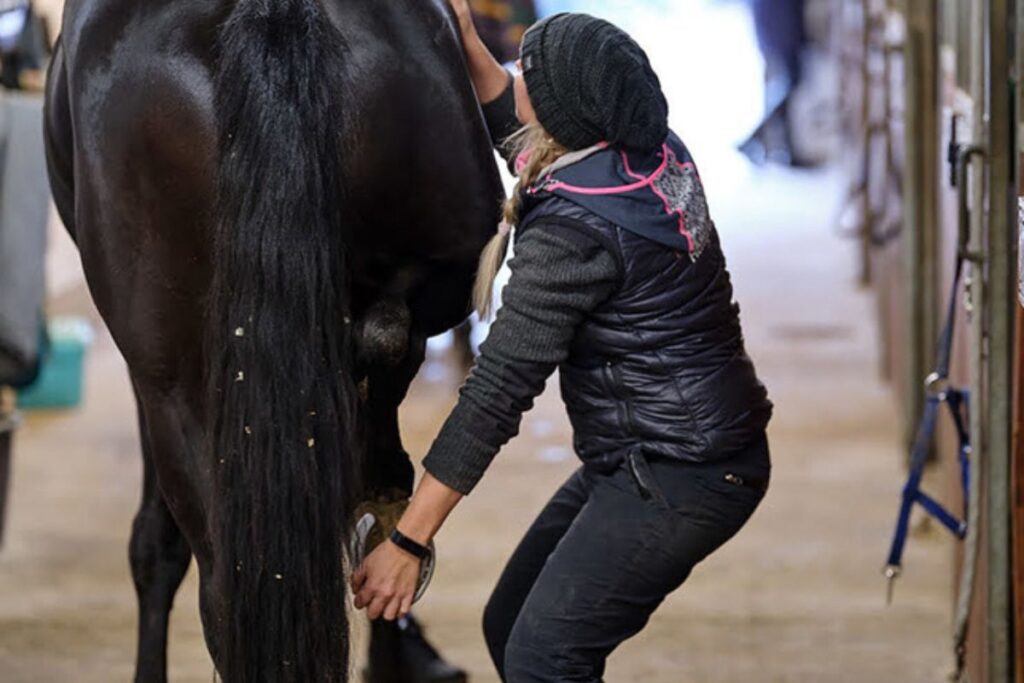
x,y
590,82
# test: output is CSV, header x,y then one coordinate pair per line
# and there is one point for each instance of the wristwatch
x,y
410,546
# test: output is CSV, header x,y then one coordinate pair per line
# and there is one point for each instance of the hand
x,y
464,15
386,583
489,78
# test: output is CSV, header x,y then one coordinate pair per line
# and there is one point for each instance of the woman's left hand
x,y
386,583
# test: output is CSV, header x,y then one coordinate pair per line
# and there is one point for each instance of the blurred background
x,y
829,134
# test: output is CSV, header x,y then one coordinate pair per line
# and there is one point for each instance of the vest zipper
x,y
613,374
609,380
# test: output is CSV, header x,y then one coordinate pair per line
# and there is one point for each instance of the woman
x,y
619,282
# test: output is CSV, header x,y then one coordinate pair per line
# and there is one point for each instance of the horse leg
x,y
399,652
390,354
159,558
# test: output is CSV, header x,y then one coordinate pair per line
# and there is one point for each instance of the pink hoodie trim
x,y
622,189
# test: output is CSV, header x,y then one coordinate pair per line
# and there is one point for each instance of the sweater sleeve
x,y
559,275
500,116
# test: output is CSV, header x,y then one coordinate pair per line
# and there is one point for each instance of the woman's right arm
x,y
489,77
492,82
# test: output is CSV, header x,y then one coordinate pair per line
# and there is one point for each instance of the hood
x,y
658,196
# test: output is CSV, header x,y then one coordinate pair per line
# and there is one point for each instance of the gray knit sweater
x,y
558,276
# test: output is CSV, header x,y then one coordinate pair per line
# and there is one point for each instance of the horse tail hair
x,y
281,399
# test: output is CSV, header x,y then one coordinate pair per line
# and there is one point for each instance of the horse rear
x,y
250,184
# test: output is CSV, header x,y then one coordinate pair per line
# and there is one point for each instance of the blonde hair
x,y
541,151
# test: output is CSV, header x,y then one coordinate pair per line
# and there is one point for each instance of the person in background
x,y
502,23
619,281
782,36
24,46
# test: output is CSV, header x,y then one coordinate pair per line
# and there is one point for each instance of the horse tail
x,y
281,400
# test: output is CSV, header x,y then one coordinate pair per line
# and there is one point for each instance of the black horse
x,y
276,203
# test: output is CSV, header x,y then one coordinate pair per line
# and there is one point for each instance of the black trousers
x,y
605,552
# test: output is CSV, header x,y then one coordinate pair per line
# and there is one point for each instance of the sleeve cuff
x,y
500,114
457,458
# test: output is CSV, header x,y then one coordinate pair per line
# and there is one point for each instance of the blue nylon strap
x,y
922,443
939,392
923,438
958,400
959,405
935,509
946,340
955,399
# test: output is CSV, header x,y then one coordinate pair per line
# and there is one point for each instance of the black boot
x,y
399,653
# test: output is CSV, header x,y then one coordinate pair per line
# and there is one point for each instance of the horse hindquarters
x,y
158,552
136,186
281,397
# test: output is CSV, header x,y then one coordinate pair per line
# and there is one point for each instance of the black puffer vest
x,y
661,364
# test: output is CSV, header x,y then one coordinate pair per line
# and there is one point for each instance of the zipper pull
x,y
645,492
734,479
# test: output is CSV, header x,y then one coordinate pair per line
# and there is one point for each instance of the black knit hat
x,y
590,82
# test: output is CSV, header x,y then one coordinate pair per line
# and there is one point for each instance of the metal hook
x,y
937,386
892,572
963,164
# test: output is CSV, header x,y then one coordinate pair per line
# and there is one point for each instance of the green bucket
x,y
59,385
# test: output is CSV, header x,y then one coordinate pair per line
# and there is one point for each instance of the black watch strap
x,y
410,546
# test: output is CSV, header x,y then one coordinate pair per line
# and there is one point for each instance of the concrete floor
x,y
797,596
